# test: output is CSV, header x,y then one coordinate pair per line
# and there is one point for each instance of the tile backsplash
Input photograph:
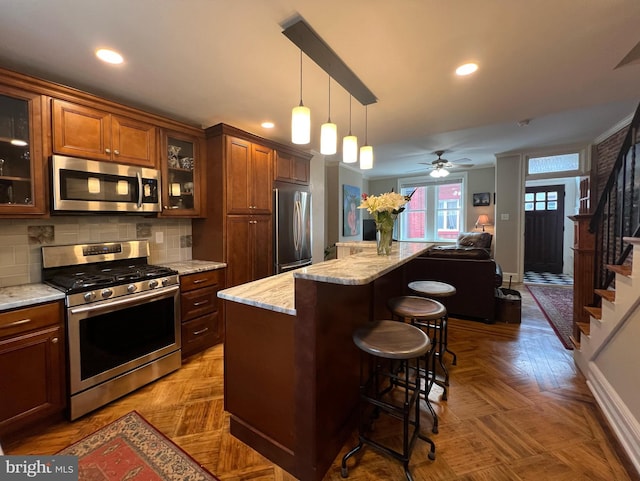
x,y
21,240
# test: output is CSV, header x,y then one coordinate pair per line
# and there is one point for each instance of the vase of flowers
x,y
385,209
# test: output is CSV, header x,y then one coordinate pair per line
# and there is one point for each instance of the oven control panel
x,y
127,289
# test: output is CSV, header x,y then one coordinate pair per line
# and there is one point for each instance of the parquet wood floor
x,y
518,410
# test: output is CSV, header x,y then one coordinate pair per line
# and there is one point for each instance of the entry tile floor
x,y
531,277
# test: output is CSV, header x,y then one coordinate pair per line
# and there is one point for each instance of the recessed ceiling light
x,y
109,56
268,125
466,69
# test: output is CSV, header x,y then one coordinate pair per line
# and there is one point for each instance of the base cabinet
x,y
32,366
251,257
201,319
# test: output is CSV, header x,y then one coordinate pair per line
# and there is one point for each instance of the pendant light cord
x,y
366,124
301,104
350,98
329,118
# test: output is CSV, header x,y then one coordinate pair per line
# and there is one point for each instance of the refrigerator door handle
x,y
296,225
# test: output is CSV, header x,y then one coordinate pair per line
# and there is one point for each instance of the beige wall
x,y
317,187
21,240
508,208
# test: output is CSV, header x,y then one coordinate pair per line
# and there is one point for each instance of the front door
x,y
544,228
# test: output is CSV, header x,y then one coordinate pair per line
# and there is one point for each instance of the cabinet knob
x,y
108,151
54,340
117,152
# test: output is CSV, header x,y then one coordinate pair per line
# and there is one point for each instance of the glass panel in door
x,y
15,158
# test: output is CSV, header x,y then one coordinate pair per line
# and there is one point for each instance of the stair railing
x,y
617,214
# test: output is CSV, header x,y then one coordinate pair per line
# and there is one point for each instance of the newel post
x,y
583,269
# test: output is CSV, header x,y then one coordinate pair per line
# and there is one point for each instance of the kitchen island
x,y
291,368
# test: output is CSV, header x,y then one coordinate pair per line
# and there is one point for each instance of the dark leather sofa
x,y
469,267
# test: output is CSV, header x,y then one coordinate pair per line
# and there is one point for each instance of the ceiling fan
x,y
440,166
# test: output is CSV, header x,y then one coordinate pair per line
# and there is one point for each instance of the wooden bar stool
x,y
429,315
436,290
391,341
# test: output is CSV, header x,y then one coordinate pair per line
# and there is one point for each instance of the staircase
x,y
608,354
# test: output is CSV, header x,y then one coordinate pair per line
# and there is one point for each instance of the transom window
x,y
553,163
435,212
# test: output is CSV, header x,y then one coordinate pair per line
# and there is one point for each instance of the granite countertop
x,y
27,295
192,266
276,293
359,243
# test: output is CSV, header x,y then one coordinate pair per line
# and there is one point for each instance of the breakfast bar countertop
x,y
193,266
276,293
27,295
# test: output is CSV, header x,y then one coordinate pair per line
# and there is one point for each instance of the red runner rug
x,y
556,303
130,448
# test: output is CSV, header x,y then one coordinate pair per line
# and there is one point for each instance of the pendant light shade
x,y
350,143
350,149
366,157
328,138
301,118
366,151
301,125
329,133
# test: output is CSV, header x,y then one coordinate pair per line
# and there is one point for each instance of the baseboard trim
x,y
623,424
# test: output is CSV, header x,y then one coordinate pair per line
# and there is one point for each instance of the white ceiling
x,y
211,61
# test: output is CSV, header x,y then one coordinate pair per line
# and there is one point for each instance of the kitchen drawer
x,y
200,333
29,318
198,302
202,279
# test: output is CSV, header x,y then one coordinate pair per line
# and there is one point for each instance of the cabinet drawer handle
x,y
54,340
15,323
201,331
117,152
108,151
200,303
200,281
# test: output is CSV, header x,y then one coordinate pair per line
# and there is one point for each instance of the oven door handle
x,y
110,306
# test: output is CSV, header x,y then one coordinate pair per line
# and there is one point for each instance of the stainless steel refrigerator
x,y
292,227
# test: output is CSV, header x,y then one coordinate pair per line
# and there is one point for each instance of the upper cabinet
x,y
249,174
22,189
291,168
86,132
182,164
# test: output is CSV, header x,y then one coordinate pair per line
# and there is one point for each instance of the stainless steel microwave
x,y
93,186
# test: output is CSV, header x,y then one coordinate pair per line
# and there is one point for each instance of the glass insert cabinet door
x,y
181,182
20,139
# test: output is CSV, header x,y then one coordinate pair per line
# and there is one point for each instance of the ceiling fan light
x,y
328,138
350,149
444,172
301,125
366,157
435,173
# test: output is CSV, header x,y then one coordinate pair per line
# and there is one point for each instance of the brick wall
x,y
606,153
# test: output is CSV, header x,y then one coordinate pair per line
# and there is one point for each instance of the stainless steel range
x,y
122,319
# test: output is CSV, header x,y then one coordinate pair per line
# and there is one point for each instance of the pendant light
x,y
301,118
329,132
350,143
366,151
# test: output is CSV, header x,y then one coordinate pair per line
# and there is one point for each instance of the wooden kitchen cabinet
x,y
22,165
291,168
249,167
32,364
252,255
182,163
91,133
202,322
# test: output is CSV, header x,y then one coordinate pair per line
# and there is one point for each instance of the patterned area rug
x,y
556,302
131,448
